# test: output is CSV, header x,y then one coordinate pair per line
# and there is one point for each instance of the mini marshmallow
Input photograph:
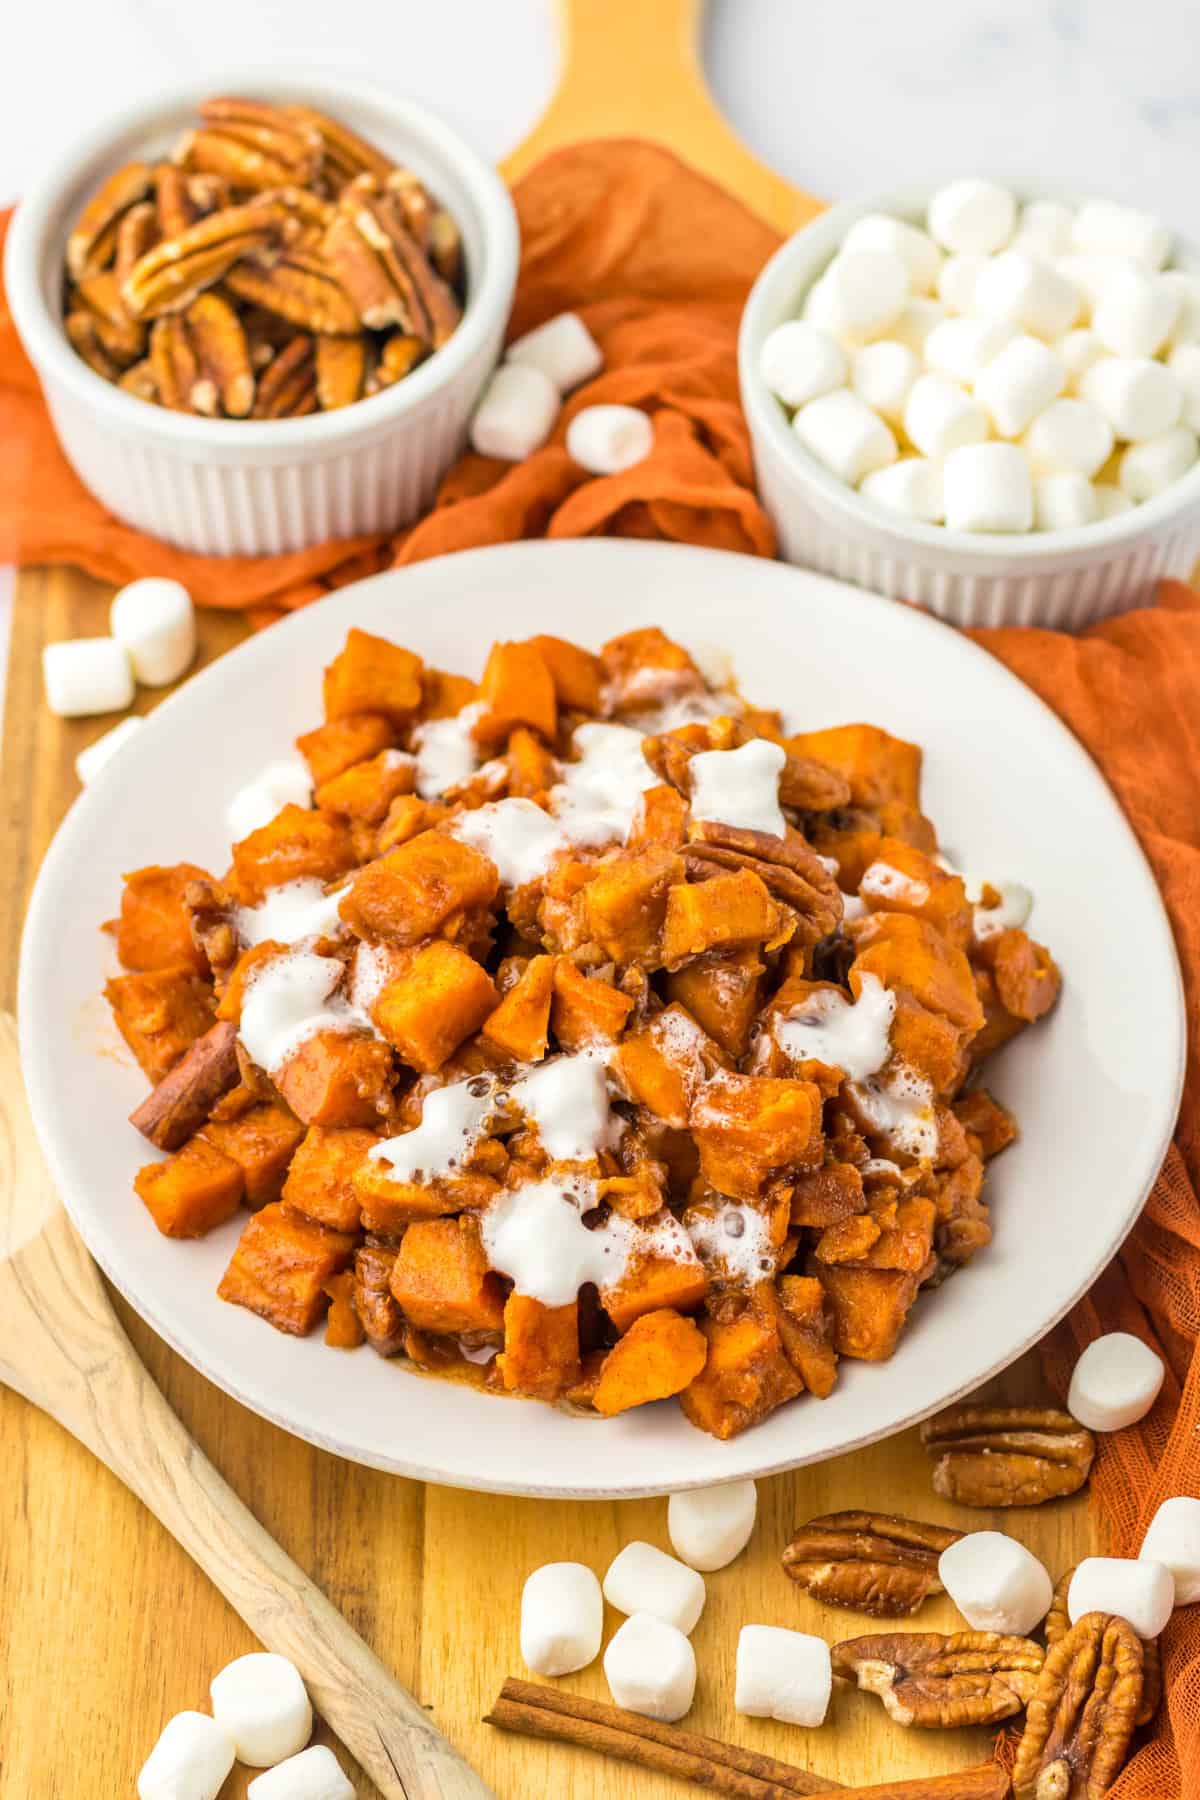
x,y
913,486
1069,437
1173,1539
1019,383
1077,351
785,1675
1045,227
842,432
189,1762
883,375
956,281
89,762
1102,227
972,218
563,349
1139,397
895,237
83,676
960,348
607,439
1141,1592
1110,500
562,1618
1135,313
315,1774
941,416
284,783
651,1668
862,292
1156,463
516,414
708,1527
996,1583
799,362
1116,1379
1063,502
260,1701
914,322
1186,288
643,1579
1092,276
1184,364
1027,291
988,488
156,622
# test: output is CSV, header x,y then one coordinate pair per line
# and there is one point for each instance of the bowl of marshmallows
x,y
982,400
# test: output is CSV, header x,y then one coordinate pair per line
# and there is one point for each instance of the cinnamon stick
x,y
186,1095
535,1711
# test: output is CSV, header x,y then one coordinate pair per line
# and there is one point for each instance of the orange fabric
x,y
658,261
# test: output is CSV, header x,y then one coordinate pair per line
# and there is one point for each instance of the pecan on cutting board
x,y
1082,1713
1007,1455
1057,1623
929,1680
876,1563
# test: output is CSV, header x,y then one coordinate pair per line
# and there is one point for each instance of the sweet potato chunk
x,y
660,820
584,1009
333,748
908,953
745,1377
520,1024
577,674
541,1347
442,998
320,1180
722,994
262,1142
869,1307
626,905
665,1064
1027,979
421,888
441,1280
444,694
532,768
646,668
367,790
727,912
338,1078
987,1120
878,767
750,1127
154,930
342,1329
825,1196
658,1356
651,1282
805,1320
389,1204
296,844
372,675
161,1014
280,1268
193,1191
903,879
516,689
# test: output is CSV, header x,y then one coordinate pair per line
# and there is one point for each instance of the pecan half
x,y
124,338
1007,1455
345,154
1082,1712
387,271
341,371
287,388
97,222
257,125
139,381
82,330
169,276
874,1562
788,866
927,1680
301,288
137,232
399,356
221,350
1057,1624
173,363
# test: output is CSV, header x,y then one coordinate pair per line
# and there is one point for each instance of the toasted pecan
x,y
1057,1623
1007,1455
927,1680
877,1563
1082,1712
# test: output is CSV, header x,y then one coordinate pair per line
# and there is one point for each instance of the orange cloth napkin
x,y
658,261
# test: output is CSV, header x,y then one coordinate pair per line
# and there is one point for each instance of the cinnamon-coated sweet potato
x,y
423,887
154,930
372,675
626,905
983,1116
722,994
577,674
320,1180
727,912
658,1356
749,1128
337,746
878,767
651,1282
366,790
869,1307
806,1329
532,768
161,1014
909,953
517,689
281,1266
407,817
664,1065
585,1010
660,821
342,1328
441,1281
746,1375
444,694
903,879
825,1196
646,668
389,1204
338,1078
262,1142
520,1025
296,844
193,1191
443,997
1026,976
541,1347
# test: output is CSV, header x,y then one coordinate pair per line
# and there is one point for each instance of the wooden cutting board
x,y
106,1628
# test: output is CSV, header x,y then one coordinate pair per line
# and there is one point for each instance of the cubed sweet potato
x,y
442,998
372,675
338,1078
262,1142
407,817
441,1280
296,844
193,1191
320,1180
869,1307
727,912
1026,976
626,905
520,1024
516,689
909,953
423,887
443,694
160,1014
646,668
651,1282
983,1116
154,930
280,1268
806,1328
532,768
333,748
366,790
658,1356
928,1042
903,879
584,1009
660,820
577,674
378,1314
388,1204
244,972
722,994
745,1377
664,1065
342,1328
750,1127
878,767
963,1217
824,1196
541,1347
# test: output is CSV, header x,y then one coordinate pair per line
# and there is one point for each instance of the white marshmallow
x,y
280,784
1186,288
1103,227
562,1618
941,416
1092,276
1045,227
563,349
1063,502
1027,291
1184,364
1156,463
315,1774
799,362
516,414
896,237
956,281
862,292
1077,351
156,622
1117,1377
261,1702
913,486
651,1668
83,676
842,432
1139,397
1141,1592
189,1762
1110,500
1019,383
785,1675
914,322
643,1579
883,375
996,1583
1135,313
89,762
1069,437
1173,1539
607,439
961,347
708,1527
972,218
988,488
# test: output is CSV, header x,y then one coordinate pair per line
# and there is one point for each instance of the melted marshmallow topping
x,y
738,1238
740,787
900,1107
518,836
447,754
598,797
1016,904
853,1036
892,886
290,1001
536,1235
453,1119
295,912
566,1097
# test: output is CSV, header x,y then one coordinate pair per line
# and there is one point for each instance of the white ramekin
x,y
1063,578
230,486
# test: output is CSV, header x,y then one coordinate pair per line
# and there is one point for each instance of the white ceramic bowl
x,y
1064,579
229,486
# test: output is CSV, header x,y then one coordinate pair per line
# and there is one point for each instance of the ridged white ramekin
x,y
1063,579
230,486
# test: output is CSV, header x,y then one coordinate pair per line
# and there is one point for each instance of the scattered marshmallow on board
x,y
708,1527
516,414
996,1583
563,349
642,1579
91,760
261,1702
1173,1539
315,1774
1141,1591
84,676
1115,1382
781,1674
155,621
606,439
650,1668
190,1761
562,1618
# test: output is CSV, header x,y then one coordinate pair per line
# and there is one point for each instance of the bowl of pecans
x,y
263,309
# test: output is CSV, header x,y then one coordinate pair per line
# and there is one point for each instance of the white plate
x,y
1096,1088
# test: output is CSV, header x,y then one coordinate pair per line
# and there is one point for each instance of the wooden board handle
x,y
62,1346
